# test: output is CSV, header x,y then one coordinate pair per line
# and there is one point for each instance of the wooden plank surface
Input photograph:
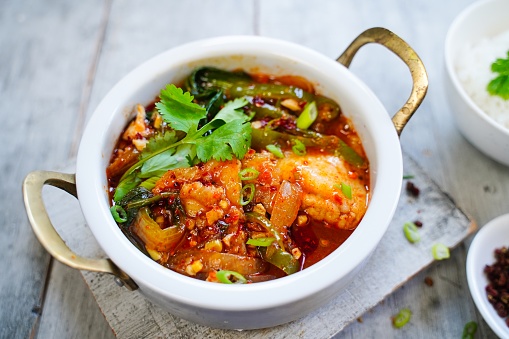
x,y
47,52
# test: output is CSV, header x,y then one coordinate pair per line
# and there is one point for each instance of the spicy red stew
x,y
237,178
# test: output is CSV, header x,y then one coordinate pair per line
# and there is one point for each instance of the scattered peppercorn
x,y
418,223
412,189
497,290
428,281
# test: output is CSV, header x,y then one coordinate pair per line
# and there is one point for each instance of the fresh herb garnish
x,y
500,85
226,135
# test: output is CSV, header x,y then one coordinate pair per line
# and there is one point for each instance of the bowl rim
x,y
455,26
480,253
289,289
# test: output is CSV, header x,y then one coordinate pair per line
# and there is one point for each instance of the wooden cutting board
x,y
394,262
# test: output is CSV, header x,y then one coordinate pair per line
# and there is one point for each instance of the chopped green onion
x,y
263,242
408,176
251,188
308,116
275,150
469,330
346,189
248,174
230,277
299,148
440,251
118,213
411,232
402,318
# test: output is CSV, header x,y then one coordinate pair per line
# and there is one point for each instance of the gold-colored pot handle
x,y
399,47
48,236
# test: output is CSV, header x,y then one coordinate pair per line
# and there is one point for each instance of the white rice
x,y
473,68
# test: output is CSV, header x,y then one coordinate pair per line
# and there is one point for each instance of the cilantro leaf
x,y
231,138
226,135
231,111
158,142
500,85
178,109
170,159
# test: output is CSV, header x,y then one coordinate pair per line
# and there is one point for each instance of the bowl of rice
x,y
477,76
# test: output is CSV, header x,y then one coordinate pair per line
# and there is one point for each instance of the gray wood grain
x,y
45,49
48,89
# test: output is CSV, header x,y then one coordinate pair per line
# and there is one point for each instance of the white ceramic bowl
x,y
491,236
480,20
262,304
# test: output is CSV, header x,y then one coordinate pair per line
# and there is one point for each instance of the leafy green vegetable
x,y
500,85
226,135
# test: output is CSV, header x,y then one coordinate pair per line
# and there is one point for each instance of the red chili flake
x,y
412,189
258,101
418,223
428,281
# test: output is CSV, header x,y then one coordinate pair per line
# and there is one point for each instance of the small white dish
x,y
491,236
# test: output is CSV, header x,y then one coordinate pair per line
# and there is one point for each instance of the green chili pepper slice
x,y
274,253
261,220
411,232
230,277
118,213
263,242
263,137
440,251
279,258
402,318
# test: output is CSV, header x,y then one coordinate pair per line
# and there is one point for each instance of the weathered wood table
x,y
58,59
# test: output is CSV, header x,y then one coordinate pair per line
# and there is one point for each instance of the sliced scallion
x,y
308,116
118,213
299,148
402,318
440,251
275,150
411,232
248,189
230,277
248,174
346,189
469,330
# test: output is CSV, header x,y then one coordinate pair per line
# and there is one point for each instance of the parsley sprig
x,y
500,85
228,134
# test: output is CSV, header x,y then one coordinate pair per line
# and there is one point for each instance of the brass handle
x,y
399,47
48,236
